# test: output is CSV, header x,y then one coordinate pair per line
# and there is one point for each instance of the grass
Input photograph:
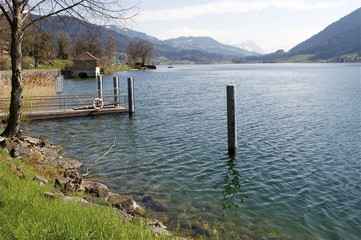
x,y
298,59
26,214
35,84
114,68
52,64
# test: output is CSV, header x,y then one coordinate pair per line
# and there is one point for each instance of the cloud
x,y
232,6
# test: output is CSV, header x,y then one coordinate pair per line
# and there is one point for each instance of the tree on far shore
x,y
139,52
21,14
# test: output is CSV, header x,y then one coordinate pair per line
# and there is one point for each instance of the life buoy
x,y
98,103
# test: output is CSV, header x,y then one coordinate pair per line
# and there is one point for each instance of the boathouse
x,y
86,65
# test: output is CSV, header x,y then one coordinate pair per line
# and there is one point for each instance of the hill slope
x,y
207,44
339,38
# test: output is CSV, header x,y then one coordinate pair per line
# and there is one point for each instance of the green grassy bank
x,y
25,213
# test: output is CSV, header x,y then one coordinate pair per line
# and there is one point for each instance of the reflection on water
x,y
233,194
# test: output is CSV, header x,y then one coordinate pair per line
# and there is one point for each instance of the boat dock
x,y
89,103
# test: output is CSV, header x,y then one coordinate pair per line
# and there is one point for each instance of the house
x,y
86,65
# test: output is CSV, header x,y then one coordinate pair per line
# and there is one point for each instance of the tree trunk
x,y
16,101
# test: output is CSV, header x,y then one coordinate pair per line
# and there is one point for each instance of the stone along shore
x,y
41,153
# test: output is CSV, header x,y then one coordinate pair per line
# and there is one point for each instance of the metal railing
x,y
64,102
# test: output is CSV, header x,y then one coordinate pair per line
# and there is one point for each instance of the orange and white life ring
x,y
98,103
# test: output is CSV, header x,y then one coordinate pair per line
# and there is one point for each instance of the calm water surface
x,y
297,173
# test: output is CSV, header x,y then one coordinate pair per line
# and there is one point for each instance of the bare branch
x,y
5,13
50,14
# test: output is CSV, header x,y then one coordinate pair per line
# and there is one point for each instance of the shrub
x,y
27,62
5,63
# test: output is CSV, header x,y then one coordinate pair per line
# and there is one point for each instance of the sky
x,y
271,24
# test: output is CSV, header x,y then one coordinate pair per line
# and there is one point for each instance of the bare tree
x,y
62,44
139,52
132,53
145,49
89,43
20,14
110,48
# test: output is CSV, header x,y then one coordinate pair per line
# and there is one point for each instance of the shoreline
x,y
70,181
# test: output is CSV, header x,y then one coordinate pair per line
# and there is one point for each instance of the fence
x,y
84,100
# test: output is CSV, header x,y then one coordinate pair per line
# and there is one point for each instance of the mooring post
x,y
100,87
231,119
116,91
131,95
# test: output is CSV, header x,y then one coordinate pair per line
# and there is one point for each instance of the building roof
x,y
86,56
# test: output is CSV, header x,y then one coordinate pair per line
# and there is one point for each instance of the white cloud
x,y
232,6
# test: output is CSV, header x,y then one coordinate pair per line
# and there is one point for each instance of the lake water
x,y
297,172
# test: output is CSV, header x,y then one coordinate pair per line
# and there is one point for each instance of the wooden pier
x,y
89,103
68,113
42,108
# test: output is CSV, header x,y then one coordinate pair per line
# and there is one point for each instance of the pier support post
x,y
100,87
131,107
116,91
231,119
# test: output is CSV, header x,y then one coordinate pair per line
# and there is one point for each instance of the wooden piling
x,y
116,91
100,87
231,119
131,95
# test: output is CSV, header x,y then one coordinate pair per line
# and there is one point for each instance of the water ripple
x,y
298,166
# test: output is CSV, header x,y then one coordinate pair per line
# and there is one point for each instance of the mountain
x,y
134,34
249,45
207,44
339,38
200,50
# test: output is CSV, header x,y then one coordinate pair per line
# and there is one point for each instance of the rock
x,y
20,151
72,173
77,200
139,209
41,180
96,189
53,194
153,204
49,154
9,144
16,148
124,215
65,163
157,227
196,230
20,134
125,202
44,141
75,184
31,141
62,181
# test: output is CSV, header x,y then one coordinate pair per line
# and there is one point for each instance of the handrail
x,y
42,103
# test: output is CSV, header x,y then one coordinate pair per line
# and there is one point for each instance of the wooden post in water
x,y
116,91
131,107
231,119
100,87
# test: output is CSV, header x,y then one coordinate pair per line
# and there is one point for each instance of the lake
x,y
297,171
